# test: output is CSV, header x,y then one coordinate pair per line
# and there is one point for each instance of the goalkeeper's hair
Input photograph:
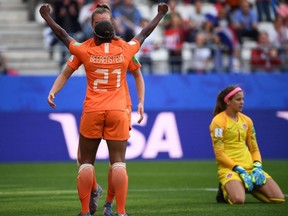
x,y
220,103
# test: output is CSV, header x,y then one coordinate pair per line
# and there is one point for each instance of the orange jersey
x,y
105,67
134,64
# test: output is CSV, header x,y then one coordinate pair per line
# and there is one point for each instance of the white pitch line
x,y
61,192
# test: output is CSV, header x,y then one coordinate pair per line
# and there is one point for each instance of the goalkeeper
x,y
237,154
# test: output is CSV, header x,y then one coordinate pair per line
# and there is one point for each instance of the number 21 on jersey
x,y
108,81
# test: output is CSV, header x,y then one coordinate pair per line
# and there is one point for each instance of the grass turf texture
x,y
163,188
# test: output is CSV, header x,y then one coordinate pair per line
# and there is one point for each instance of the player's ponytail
x,y
220,103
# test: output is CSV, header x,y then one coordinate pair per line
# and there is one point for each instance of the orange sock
x,y
120,185
110,190
84,185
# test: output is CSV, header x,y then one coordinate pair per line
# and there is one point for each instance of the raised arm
x,y
147,30
61,34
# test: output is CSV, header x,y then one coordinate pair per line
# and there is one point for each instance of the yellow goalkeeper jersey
x,y
234,142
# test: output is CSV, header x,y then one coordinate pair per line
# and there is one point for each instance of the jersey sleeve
x,y
74,48
217,133
74,62
133,47
252,141
134,64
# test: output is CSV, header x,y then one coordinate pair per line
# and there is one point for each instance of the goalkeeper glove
x,y
246,178
257,174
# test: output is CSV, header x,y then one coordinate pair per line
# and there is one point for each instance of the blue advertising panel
x,y
44,136
178,111
170,92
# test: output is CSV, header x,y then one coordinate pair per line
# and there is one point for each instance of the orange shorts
x,y
109,125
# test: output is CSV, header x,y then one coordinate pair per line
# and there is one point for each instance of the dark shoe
x,y
220,195
94,198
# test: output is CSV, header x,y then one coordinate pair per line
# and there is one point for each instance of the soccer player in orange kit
x,y
237,153
104,115
102,12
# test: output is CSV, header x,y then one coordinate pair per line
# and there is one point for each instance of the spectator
x,y
172,9
201,61
4,69
3,65
280,34
280,38
128,17
174,36
146,50
208,27
263,10
265,56
66,15
245,22
233,4
228,39
197,18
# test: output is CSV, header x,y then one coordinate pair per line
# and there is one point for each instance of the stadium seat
x,y
144,10
209,8
268,27
185,10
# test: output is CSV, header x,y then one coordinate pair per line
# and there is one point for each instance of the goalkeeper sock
x,y
265,199
277,200
261,197
84,185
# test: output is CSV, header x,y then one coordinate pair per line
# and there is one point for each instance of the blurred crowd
x,y
212,36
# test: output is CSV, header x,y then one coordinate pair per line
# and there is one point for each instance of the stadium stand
x,y
22,41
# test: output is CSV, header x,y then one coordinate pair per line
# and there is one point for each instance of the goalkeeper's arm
x,y
246,178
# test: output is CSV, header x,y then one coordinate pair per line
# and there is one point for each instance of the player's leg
x,y
107,207
90,136
269,193
119,175
116,133
234,192
86,174
96,190
232,186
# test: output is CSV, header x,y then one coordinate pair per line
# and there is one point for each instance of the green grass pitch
x,y
156,188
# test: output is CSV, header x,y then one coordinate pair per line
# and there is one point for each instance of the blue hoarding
x,y
43,136
178,111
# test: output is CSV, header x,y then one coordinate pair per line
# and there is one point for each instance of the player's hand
x,y
51,98
257,174
45,9
163,7
140,111
246,178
